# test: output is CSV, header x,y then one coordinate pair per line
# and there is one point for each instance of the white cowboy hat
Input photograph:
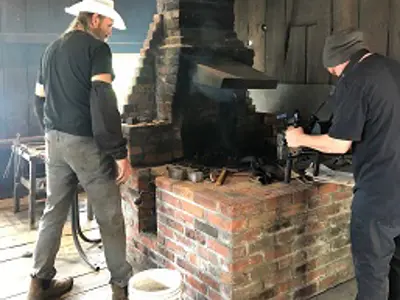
x,y
101,7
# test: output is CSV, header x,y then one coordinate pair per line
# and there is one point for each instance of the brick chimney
x,y
190,94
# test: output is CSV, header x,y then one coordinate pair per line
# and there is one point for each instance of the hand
x,y
294,137
124,170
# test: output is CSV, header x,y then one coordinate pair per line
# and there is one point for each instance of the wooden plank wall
x,y
24,33
305,24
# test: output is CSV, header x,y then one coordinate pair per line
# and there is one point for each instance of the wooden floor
x,y
17,244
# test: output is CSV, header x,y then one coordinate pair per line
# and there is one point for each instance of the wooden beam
x,y
257,9
295,67
275,37
374,21
316,36
345,14
242,20
307,12
394,37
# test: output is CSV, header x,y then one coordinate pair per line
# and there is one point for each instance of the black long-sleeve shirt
x,y
73,103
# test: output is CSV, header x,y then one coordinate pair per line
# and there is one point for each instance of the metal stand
x,y
316,160
33,155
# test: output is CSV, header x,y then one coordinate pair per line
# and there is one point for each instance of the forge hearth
x,y
189,98
242,241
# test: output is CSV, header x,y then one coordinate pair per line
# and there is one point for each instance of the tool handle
x,y
288,169
317,163
222,177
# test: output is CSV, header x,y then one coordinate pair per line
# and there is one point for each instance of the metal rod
x,y
9,142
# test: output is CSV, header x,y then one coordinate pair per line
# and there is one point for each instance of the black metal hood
x,y
229,74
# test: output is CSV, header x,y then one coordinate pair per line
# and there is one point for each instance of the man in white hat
x,y
77,108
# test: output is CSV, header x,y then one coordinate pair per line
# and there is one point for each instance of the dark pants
x,y
376,254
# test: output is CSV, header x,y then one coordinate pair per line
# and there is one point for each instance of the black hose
x,y
77,232
79,229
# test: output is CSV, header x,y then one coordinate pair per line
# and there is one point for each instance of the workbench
x,y
34,155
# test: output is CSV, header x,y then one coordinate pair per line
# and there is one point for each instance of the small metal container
x,y
177,173
196,176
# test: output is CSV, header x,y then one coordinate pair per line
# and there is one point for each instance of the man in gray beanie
x,y
367,121
340,47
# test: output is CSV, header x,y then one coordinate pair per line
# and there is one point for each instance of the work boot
x,y
119,293
41,289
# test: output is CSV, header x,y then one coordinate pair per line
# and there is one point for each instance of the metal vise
x,y
286,154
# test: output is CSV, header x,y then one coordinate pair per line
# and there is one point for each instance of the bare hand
x,y
124,170
294,137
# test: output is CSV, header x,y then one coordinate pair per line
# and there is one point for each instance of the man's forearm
x,y
324,143
106,121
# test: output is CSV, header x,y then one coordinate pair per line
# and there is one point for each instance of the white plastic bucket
x,y
156,284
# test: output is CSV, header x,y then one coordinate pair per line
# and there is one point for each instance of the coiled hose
x,y
77,233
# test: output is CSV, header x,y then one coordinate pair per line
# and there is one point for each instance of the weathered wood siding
x,y
291,46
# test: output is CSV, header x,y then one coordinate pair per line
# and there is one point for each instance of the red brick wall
x,y
245,241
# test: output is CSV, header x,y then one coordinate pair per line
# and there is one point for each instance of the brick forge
x,y
243,240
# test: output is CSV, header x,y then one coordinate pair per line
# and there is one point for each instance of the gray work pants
x,y
69,159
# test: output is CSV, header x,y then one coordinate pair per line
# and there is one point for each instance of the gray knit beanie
x,y
340,46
